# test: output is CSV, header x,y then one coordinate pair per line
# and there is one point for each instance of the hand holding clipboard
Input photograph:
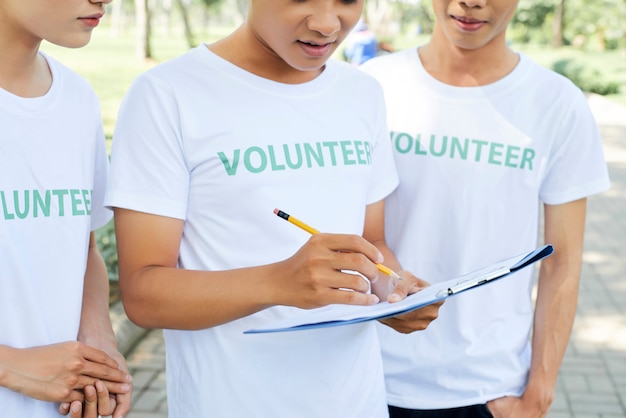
x,y
337,315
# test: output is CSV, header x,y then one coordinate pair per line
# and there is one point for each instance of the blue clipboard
x,y
338,315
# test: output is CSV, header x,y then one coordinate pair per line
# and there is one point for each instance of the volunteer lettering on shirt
x,y
466,149
257,159
22,204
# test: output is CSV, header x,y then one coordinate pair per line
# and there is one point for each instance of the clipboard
x,y
339,315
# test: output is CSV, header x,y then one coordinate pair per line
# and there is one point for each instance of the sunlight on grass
x,y
110,64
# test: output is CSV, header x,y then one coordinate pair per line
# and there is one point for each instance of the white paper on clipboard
x,y
337,315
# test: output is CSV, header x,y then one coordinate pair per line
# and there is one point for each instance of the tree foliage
x,y
594,24
589,24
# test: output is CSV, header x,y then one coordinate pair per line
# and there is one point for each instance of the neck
x,y
243,49
456,66
23,71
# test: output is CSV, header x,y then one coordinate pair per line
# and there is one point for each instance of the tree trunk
x,y
185,15
116,18
559,23
242,8
142,16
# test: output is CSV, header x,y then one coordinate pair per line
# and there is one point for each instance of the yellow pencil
x,y
312,230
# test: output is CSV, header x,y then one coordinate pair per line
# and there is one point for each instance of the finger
x,y
426,314
75,396
405,326
116,388
357,263
106,403
64,408
350,280
76,409
349,297
422,283
417,320
123,405
335,251
400,289
345,243
397,325
90,407
99,371
98,356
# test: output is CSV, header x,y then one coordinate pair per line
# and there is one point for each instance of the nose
x,y
472,4
325,22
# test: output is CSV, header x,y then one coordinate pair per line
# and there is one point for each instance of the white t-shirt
x,y
53,168
202,140
474,165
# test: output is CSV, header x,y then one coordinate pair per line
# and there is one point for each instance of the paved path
x,y
592,382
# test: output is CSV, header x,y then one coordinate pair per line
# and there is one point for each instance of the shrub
x,y
105,238
587,78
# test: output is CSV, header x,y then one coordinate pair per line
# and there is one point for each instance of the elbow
x,y
136,302
136,313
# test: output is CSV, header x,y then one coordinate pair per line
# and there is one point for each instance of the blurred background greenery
x,y
585,40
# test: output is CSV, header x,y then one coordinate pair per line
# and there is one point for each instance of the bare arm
x,y
96,331
60,372
154,289
557,297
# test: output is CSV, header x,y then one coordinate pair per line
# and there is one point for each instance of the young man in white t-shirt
x,y
483,138
206,147
57,348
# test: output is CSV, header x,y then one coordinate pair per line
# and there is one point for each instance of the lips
x,y
92,20
315,49
468,23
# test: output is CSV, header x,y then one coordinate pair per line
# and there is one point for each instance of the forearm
x,y
158,294
557,296
5,372
95,323
11,377
169,297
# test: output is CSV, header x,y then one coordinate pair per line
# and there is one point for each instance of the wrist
x,y
538,396
4,372
7,376
104,341
271,289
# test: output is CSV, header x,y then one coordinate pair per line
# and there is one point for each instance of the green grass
x,y
110,64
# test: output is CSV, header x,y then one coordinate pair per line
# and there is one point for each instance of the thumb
x,y
400,289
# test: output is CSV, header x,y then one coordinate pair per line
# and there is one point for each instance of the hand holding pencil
x,y
311,230
322,271
404,323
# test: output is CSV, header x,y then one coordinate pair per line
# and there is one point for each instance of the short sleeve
x,y
576,167
148,169
100,215
385,175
